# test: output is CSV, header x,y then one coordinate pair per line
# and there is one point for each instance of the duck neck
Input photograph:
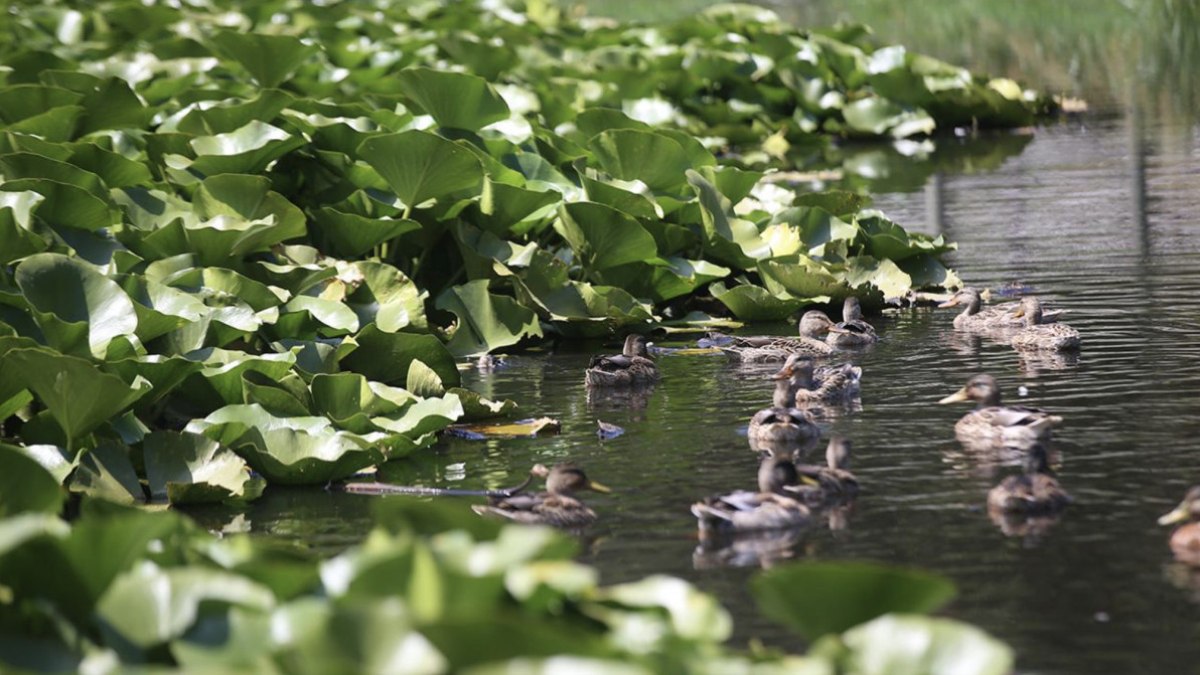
x,y
785,393
973,306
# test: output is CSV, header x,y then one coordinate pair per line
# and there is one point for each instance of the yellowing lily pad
x,y
517,429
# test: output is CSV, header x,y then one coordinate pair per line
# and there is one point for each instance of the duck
x,y
556,506
1038,336
632,367
1034,492
768,509
1185,540
995,424
827,384
813,327
852,331
783,422
833,482
975,317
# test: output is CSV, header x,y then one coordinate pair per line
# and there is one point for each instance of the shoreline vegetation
x,y
245,244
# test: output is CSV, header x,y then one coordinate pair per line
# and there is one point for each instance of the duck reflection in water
x,y
1035,363
634,398
1027,505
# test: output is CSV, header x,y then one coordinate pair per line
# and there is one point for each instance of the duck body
x,y
768,509
852,331
833,482
1000,318
1035,492
632,367
557,506
813,327
782,423
1185,540
1039,336
994,424
818,386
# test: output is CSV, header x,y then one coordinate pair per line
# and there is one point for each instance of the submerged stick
x,y
381,489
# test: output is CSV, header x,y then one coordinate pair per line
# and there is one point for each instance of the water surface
x,y
1096,217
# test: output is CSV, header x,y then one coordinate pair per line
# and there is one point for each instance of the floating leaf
x,y
517,429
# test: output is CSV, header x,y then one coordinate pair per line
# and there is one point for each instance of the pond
x,y
1093,216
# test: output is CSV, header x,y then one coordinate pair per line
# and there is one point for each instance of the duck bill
x,y
837,329
599,487
956,397
1020,312
1179,515
783,374
952,302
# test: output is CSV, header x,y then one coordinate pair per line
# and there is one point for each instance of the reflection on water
x,y
1096,591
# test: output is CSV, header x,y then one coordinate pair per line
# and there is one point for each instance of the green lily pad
x,y
187,468
656,159
247,150
67,205
755,303
420,166
604,237
385,357
292,450
485,321
455,100
79,395
912,645
150,605
270,59
819,598
25,486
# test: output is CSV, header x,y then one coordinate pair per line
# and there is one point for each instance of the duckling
x,y
853,330
813,328
834,482
769,508
556,506
1185,541
1058,337
783,422
822,385
1034,492
630,368
994,424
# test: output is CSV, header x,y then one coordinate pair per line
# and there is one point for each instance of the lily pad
x,y
420,166
819,598
456,100
517,429
79,395
187,468
25,486
486,321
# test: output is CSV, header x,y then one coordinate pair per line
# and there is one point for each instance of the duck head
x,y
981,388
565,478
966,296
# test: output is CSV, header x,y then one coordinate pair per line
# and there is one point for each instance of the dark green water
x,y
1097,219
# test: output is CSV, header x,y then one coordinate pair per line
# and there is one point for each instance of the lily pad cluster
x,y
258,236
430,590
